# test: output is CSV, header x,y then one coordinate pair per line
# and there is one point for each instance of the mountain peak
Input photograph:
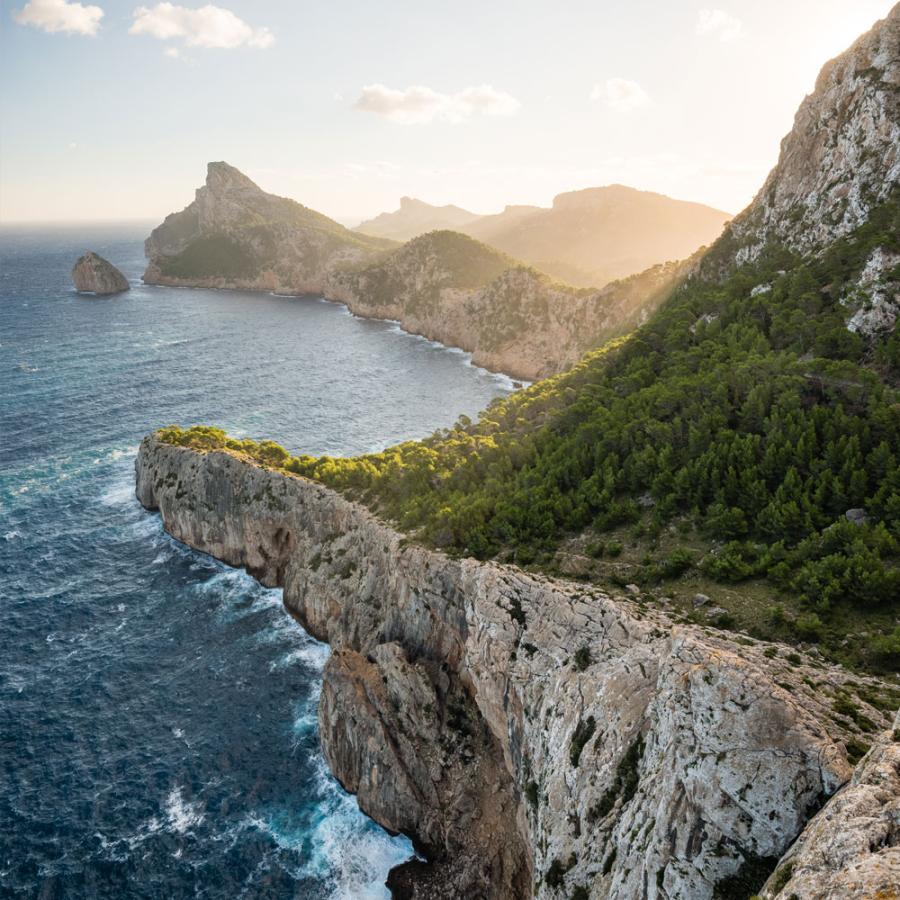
x,y
842,156
222,177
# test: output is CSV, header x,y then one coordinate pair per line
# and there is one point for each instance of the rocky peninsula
x,y
442,285
92,274
537,737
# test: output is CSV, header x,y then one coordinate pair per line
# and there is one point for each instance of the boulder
x,y
93,274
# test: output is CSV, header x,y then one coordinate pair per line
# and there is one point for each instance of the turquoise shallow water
x,y
157,709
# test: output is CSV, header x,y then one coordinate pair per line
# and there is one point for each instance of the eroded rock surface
x,y
92,274
534,737
839,161
851,849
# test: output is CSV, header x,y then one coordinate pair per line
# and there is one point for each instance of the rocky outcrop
x,y
839,161
235,235
92,274
851,849
533,737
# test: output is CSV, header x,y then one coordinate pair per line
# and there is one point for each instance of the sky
x,y
111,110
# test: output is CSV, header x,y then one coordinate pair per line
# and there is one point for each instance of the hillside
x,y
234,234
743,443
597,235
514,319
416,217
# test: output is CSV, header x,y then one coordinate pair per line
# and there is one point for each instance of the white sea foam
x,y
12,535
182,814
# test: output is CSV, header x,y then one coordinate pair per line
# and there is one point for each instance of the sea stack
x,y
93,274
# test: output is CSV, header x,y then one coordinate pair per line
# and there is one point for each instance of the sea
x,y
158,733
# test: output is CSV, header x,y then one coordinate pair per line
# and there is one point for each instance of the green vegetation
x,y
214,256
624,784
584,731
748,879
751,420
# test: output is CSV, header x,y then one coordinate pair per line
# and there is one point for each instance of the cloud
x,y
718,23
418,104
208,26
620,94
60,15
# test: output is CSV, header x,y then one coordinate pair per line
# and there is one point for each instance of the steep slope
x,y
594,236
534,737
840,161
234,234
453,289
416,217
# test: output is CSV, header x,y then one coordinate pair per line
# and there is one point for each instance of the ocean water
x,y
157,709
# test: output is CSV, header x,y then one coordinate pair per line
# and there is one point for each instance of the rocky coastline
x,y
538,737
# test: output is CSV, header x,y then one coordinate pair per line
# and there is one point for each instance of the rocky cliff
x,y
513,319
92,274
839,161
235,235
535,737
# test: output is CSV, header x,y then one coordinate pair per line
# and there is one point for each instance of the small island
x,y
93,274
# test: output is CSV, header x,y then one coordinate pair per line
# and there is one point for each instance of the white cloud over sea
x,y
207,26
60,15
419,104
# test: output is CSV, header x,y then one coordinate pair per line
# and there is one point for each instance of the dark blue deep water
x,y
157,709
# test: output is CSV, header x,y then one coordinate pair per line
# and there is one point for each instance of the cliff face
x,y
840,159
511,318
235,235
92,274
534,737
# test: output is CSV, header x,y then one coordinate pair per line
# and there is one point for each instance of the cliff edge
x,y
534,737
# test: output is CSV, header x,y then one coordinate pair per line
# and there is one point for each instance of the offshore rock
x,y
534,737
92,274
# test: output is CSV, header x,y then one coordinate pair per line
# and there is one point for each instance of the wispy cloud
x,y
59,15
419,104
620,94
720,24
207,26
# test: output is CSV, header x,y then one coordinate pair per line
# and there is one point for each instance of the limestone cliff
x,y
534,737
840,159
851,849
513,319
92,274
235,235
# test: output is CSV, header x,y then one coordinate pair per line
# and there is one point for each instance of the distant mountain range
x,y
416,217
587,238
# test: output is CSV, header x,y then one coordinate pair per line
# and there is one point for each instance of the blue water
x,y
157,709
